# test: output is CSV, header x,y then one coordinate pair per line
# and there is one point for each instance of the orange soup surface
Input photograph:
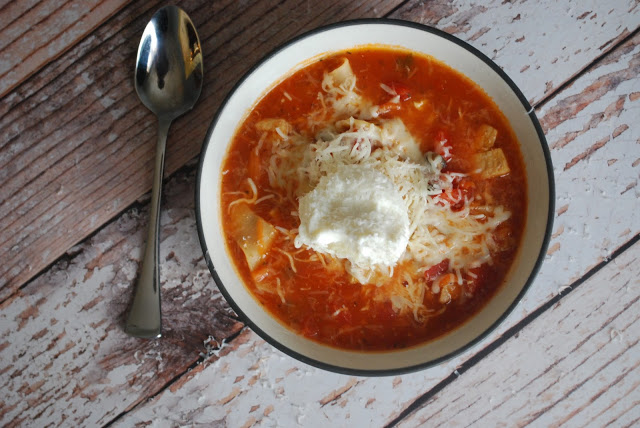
x,y
465,226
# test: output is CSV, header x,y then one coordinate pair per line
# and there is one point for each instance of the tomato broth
x,y
314,294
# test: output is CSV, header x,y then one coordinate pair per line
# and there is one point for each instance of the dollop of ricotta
x,y
357,214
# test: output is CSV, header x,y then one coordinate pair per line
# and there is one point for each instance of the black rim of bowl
x,y
492,327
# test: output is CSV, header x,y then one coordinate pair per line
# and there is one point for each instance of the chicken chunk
x,y
491,164
485,138
253,234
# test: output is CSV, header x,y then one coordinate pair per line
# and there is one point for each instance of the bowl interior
x,y
459,56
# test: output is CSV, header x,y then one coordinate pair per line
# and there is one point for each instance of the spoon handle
x,y
145,316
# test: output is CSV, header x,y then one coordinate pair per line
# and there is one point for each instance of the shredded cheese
x,y
280,290
290,257
251,200
347,133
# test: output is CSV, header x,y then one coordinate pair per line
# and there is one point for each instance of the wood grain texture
x,y
587,232
540,45
77,146
64,358
578,364
282,391
34,32
594,139
74,310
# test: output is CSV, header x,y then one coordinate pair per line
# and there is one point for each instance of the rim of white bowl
x,y
429,363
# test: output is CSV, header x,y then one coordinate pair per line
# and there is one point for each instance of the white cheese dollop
x,y
357,214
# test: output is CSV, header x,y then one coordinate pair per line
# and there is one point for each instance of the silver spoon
x,y
168,80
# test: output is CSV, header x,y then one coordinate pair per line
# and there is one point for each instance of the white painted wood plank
x,y
539,44
303,394
64,357
571,255
594,136
577,364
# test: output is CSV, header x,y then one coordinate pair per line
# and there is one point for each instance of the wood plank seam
x,y
9,41
68,118
138,21
614,402
72,253
57,36
423,399
536,415
540,103
62,50
203,359
592,65
395,9
542,411
130,25
516,333
598,394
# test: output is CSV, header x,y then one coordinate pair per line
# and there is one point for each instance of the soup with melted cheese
x,y
374,199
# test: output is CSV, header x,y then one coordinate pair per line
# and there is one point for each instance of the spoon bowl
x,y
169,69
168,81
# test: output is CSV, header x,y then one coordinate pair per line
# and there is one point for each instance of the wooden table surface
x,y
76,154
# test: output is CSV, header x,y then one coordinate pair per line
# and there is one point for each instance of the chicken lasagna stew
x,y
374,199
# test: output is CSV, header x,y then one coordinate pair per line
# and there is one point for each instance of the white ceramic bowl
x,y
458,55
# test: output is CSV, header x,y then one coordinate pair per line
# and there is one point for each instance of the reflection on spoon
x,y
168,80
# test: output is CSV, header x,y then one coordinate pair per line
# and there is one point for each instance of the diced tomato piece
x,y
436,270
443,145
454,197
401,89
451,198
463,188
403,93
465,184
466,187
